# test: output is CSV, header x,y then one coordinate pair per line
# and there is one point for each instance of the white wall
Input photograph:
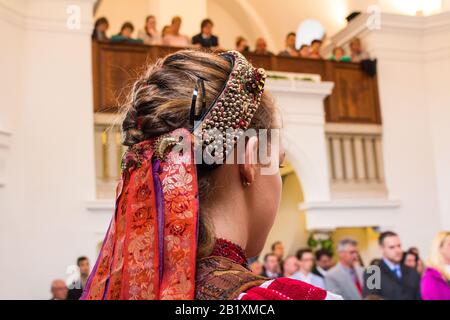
x,y
119,11
437,77
12,216
44,226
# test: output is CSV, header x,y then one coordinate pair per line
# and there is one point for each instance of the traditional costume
x,y
149,251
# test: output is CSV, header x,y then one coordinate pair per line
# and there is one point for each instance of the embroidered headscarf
x,y
149,251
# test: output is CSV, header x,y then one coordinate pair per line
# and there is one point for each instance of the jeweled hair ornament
x,y
221,125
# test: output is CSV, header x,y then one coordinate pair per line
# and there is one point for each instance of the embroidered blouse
x,y
225,276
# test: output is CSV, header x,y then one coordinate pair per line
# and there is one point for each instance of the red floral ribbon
x,y
132,263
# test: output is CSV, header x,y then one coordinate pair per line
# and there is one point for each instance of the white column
x,y
304,134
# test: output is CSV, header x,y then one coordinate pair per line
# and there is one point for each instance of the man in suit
x,y
76,290
345,279
397,282
324,262
271,266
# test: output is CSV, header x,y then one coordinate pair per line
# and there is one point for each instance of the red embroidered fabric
x,y
149,251
227,249
284,289
278,289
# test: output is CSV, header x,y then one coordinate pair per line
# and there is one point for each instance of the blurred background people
x,y
149,34
165,31
242,45
306,263
357,52
410,259
76,289
397,282
345,279
435,284
206,39
173,37
324,262
304,51
314,52
375,262
261,47
58,290
339,55
278,250
290,50
125,34
256,267
420,265
100,28
290,266
271,266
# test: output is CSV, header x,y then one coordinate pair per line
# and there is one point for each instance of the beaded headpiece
x,y
219,126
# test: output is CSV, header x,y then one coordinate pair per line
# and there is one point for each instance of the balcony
x,y
330,109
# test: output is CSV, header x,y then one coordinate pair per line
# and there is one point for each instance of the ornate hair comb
x,y
219,126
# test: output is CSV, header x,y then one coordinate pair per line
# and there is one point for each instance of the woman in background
x,y
436,278
100,28
410,259
149,34
242,45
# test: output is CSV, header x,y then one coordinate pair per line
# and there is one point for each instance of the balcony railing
x,y
353,100
355,160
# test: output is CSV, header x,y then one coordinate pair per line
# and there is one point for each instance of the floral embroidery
x,y
129,262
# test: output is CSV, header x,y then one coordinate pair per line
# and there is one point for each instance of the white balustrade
x,y
355,160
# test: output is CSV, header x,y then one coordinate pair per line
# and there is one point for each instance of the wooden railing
x,y
354,98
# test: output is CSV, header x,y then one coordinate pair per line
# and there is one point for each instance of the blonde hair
x,y
435,259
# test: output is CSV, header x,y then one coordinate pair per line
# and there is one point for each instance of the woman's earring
x,y
246,184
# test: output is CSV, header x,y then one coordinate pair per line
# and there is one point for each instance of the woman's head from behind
x,y
233,197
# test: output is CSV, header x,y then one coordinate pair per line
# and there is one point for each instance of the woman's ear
x,y
248,169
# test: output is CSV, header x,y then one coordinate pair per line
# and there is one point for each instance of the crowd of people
x,y
397,275
171,36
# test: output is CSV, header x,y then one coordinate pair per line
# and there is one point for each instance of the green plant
x,y
317,241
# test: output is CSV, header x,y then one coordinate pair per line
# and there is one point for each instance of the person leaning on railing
x,y
125,34
100,28
290,50
206,39
149,34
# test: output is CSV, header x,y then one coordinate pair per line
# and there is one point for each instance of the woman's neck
x,y
230,220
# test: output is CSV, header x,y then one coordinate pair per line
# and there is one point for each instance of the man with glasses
x,y
345,278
